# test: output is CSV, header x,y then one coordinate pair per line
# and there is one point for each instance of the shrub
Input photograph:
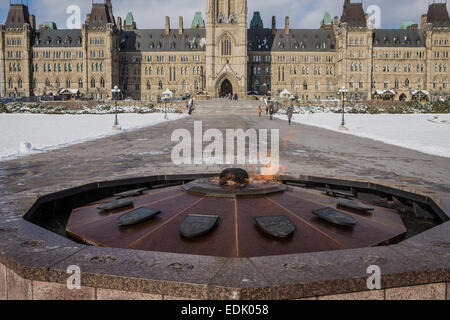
x,y
3,108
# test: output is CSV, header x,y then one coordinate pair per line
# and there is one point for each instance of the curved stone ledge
x,y
31,254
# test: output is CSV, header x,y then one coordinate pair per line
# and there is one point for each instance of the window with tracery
x,y
226,45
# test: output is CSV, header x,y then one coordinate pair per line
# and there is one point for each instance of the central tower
x,y
226,47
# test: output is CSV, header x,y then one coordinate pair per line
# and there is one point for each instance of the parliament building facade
x,y
226,55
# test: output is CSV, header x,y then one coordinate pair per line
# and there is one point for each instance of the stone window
x,y
80,83
102,82
226,45
92,83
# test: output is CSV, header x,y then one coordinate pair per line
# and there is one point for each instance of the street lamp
x,y
343,91
116,93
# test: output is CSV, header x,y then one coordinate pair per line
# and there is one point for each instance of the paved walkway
x,y
304,151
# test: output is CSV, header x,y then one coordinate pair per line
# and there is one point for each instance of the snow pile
x,y
425,133
22,134
99,109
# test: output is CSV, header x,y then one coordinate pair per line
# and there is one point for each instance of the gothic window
x,y
435,83
92,83
160,85
351,83
419,84
226,45
361,84
149,86
386,84
35,84
196,85
397,84
58,83
444,84
152,45
10,84
47,83
80,83
305,85
184,86
102,82
407,83
68,83
317,86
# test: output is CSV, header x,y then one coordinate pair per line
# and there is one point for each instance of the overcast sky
x,y
151,13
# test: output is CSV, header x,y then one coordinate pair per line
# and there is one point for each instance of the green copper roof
x,y
256,22
50,25
327,18
129,20
405,24
198,21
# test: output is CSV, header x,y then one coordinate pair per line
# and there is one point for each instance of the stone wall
x,y
14,287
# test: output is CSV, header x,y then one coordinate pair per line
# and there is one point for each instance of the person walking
x,y
271,112
290,113
190,106
259,111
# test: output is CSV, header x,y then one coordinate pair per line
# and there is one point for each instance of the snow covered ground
x,y
19,132
428,133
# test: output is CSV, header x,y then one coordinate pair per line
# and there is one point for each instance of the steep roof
x,y
256,22
156,40
438,14
398,38
327,18
100,15
198,21
353,14
298,40
129,20
18,15
48,38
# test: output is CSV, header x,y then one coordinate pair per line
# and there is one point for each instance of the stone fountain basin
x,y
35,255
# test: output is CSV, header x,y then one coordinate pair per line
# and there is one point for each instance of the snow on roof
x,y
382,92
72,91
285,92
425,92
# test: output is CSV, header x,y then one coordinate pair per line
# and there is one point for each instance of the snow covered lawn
x,y
54,131
428,133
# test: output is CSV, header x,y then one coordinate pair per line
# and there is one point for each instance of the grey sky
x,y
151,13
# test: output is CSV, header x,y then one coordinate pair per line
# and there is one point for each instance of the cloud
x,y
151,13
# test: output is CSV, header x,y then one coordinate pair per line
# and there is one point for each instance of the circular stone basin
x,y
237,209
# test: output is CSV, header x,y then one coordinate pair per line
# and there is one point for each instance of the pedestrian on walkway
x,y
290,113
271,111
259,111
190,106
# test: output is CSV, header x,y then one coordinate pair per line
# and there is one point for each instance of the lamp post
x,y
343,91
116,92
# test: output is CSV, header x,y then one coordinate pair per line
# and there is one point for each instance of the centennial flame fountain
x,y
234,215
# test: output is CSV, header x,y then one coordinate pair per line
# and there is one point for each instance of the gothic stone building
x,y
225,55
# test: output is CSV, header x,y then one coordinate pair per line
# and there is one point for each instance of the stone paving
x,y
305,150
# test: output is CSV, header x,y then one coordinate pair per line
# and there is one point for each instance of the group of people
x,y
232,97
270,111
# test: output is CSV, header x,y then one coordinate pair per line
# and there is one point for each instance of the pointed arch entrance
x,y
226,89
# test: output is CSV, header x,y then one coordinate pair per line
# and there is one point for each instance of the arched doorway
x,y
226,89
402,97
